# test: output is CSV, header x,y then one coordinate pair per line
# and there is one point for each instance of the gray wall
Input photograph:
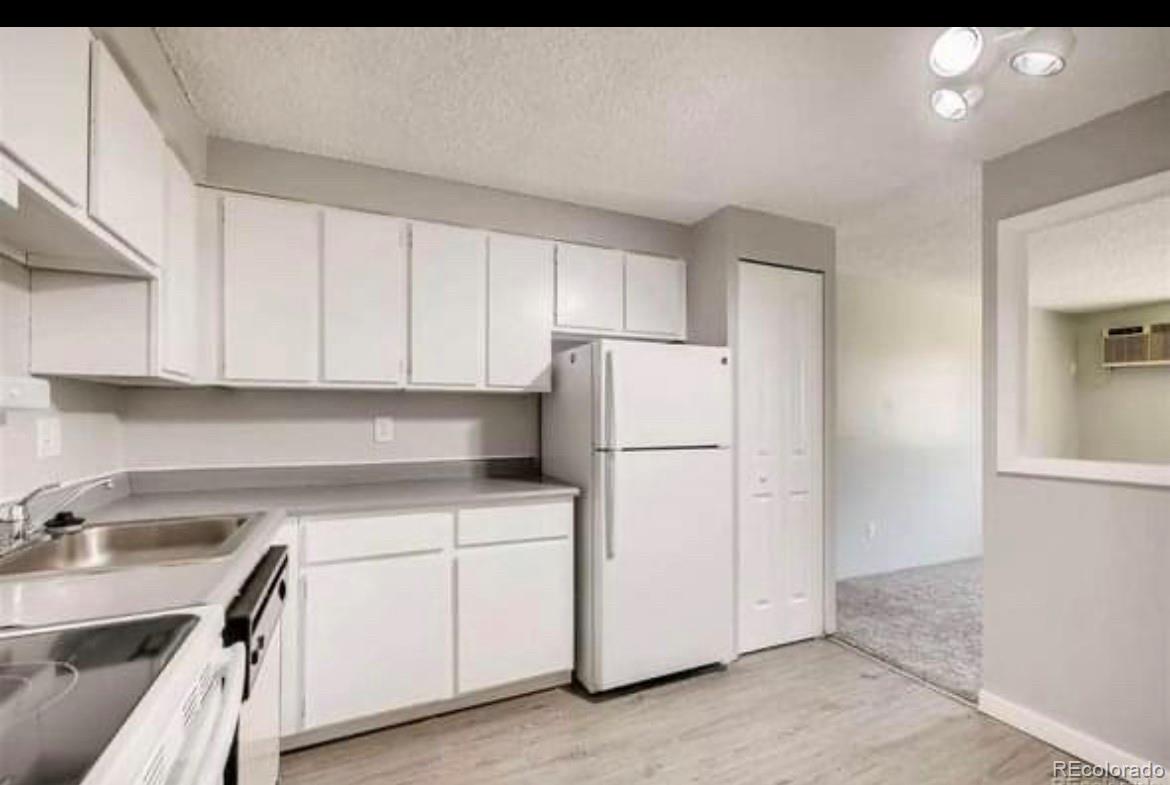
x,y
90,414
215,427
908,425
253,168
1076,621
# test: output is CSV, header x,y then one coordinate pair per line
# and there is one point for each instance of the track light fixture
x,y
961,56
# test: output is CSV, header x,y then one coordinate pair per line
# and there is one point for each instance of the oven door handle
x,y
212,740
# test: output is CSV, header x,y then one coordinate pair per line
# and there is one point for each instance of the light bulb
x,y
1043,51
956,51
949,104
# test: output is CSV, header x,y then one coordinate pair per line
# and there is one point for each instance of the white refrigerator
x,y
644,430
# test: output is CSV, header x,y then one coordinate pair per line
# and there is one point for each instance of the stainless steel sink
x,y
115,545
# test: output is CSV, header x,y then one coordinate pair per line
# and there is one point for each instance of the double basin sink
x,y
112,546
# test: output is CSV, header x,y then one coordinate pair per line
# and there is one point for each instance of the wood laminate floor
x,y
812,712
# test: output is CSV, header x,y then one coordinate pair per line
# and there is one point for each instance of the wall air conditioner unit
x,y
1135,345
1160,342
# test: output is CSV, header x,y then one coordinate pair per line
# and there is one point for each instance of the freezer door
x,y
664,571
662,395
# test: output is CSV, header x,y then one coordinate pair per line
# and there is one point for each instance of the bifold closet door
x,y
780,482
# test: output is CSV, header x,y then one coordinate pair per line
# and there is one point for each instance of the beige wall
x,y
907,439
1051,418
908,421
1123,414
1076,623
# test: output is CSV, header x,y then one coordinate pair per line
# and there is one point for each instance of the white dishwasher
x,y
253,621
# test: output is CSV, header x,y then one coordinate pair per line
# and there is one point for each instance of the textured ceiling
x,y
928,234
669,123
1120,257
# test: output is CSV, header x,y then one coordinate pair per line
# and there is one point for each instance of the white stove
x,y
152,699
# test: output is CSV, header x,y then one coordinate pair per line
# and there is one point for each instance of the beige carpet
x,y
925,620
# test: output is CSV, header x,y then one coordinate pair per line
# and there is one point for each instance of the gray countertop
x,y
324,499
56,599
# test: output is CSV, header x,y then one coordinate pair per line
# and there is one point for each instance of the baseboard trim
x,y
1076,742
314,736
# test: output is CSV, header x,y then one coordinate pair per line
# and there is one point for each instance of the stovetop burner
x,y
65,693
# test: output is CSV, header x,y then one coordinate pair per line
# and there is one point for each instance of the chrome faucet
x,y
16,516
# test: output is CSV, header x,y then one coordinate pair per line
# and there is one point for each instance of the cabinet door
x,y
270,290
127,178
515,612
377,636
656,295
589,288
177,280
44,104
363,270
520,306
447,305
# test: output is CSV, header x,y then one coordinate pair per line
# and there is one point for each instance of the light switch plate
x,y
48,437
383,429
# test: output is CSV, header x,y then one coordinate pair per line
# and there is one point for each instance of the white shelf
x,y
51,233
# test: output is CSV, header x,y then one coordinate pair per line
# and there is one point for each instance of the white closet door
x,y
780,366
363,271
448,285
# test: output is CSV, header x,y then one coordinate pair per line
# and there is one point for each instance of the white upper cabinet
x,y
520,312
447,305
178,280
589,288
364,297
656,295
127,173
44,104
271,290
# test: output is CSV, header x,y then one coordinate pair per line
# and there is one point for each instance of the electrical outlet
x,y
871,530
383,429
48,437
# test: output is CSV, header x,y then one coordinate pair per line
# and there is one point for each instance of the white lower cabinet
x,y
414,610
377,636
515,612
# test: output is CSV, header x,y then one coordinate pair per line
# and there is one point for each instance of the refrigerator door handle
x,y
610,506
610,403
